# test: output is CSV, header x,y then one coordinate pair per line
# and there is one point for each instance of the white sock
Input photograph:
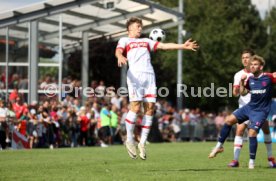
x,y
146,124
130,125
237,147
267,140
251,161
219,144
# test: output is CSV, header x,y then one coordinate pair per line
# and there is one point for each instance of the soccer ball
x,y
157,35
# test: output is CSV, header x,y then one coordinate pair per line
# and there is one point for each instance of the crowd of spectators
x,y
100,121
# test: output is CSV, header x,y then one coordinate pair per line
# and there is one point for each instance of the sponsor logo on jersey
x,y
138,44
258,91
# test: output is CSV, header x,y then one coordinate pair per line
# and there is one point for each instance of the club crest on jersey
x,y
258,123
264,83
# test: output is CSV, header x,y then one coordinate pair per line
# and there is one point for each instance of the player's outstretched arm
x,y
122,60
188,45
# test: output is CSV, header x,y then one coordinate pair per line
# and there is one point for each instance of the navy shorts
x,y
256,118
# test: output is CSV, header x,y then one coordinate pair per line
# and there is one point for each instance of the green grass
x,y
168,161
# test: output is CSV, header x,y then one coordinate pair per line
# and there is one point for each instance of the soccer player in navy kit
x,y
243,100
256,111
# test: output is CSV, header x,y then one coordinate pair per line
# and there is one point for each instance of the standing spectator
x,y
3,125
76,105
104,131
219,121
13,95
55,125
71,121
19,108
124,112
100,90
46,117
175,124
46,81
114,124
14,82
116,100
94,84
84,126
32,128
23,121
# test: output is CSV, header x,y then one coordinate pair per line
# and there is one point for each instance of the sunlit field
x,y
168,161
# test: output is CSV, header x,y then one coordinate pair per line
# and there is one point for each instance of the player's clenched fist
x,y
243,77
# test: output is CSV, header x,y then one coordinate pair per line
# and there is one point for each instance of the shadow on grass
x,y
244,169
185,170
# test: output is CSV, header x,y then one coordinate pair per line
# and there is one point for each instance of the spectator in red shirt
x,y
14,95
84,125
19,108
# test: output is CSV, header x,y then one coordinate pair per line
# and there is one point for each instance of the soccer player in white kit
x,y
141,79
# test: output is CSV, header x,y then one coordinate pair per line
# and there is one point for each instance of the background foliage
x,y
223,28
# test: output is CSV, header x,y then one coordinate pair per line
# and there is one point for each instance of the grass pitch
x,y
168,161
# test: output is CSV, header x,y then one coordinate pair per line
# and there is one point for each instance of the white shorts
x,y
246,122
141,86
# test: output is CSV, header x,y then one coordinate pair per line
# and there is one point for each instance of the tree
x,y
270,47
223,29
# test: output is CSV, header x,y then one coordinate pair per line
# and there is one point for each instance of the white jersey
x,y
137,52
237,78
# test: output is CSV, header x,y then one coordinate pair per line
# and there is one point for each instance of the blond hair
x,y
259,59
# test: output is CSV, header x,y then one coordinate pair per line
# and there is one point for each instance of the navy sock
x,y
253,144
224,132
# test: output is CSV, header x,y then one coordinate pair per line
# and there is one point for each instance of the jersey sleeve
x,y
237,80
121,44
152,45
273,79
106,113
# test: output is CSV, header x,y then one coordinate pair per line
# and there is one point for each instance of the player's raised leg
x,y
229,122
146,125
130,125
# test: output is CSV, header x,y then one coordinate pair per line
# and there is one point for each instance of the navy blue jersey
x,y
261,91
